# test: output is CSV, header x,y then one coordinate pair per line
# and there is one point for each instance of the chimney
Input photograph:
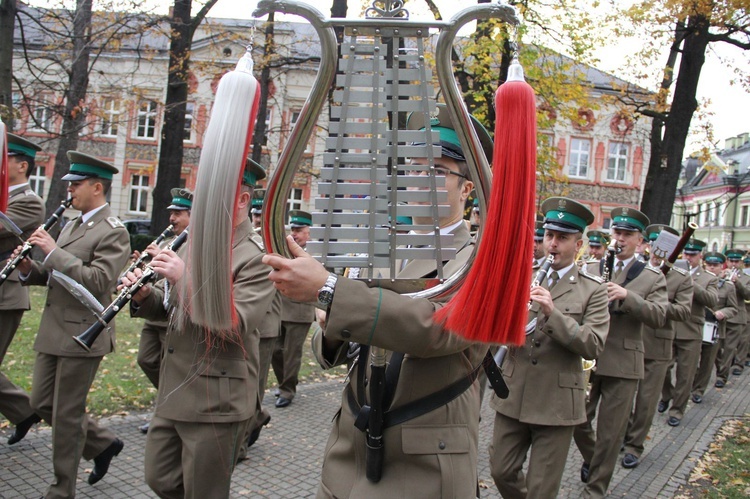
x,y
729,144
744,139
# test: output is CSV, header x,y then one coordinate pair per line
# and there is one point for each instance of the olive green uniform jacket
x,y
705,294
658,341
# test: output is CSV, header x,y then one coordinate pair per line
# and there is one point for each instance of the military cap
x,y
653,231
694,246
83,166
299,218
734,254
539,229
714,257
746,260
403,220
253,173
18,146
598,238
182,199
441,122
565,215
624,218
257,203
475,204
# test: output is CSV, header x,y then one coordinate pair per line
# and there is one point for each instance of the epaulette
x,y
255,238
29,192
595,278
653,269
115,222
679,270
709,272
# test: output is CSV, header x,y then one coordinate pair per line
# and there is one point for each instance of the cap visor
x,y
73,177
560,228
623,226
177,207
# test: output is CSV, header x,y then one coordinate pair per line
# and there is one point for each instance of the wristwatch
x,y
325,294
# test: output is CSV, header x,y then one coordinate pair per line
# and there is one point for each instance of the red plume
x,y
4,181
491,306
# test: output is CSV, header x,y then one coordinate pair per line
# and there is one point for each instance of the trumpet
x,y
145,257
88,337
26,249
540,276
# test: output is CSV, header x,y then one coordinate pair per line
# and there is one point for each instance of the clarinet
x,y
88,337
26,249
145,257
540,276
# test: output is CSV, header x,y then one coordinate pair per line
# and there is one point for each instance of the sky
x,y
727,106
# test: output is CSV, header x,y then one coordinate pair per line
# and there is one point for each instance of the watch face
x,y
325,296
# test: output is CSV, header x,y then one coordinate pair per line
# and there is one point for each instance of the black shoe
x,y
282,401
585,473
276,393
101,462
697,398
144,428
736,371
630,461
719,383
747,363
256,432
663,406
673,421
23,428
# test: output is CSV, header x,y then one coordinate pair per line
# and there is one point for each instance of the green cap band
x,y
714,259
596,239
182,201
249,178
629,221
257,203
735,255
300,220
92,171
568,217
448,135
27,151
653,236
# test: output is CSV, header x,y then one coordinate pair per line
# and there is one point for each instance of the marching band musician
x,y
208,380
598,243
92,250
545,376
431,360
727,357
538,242
725,310
26,210
686,347
638,297
657,353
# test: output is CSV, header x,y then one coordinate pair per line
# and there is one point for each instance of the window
x,y
16,96
139,193
41,118
146,120
110,118
36,180
293,122
295,200
745,213
618,161
716,218
268,127
607,223
189,109
580,151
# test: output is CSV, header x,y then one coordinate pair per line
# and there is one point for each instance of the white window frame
x,y
16,99
577,169
744,213
189,135
294,201
293,117
42,114
37,179
140,191
146,120
110,118
617,162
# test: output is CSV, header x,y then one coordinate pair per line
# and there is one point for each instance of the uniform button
x,y
441,445
170,349
537,343
223,372
346,333
533,361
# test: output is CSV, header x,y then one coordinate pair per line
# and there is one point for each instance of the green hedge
x,y
140,241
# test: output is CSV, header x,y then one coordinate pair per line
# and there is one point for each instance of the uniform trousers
x,y
191,460
685,354
728,349
59,390
14,402
510,444
150,350
614,397
646,400
705,367
287,357
265,352
742,348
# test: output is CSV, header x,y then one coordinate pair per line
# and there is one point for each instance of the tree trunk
x,y
175,105
666,156
7,24
74,117
265,80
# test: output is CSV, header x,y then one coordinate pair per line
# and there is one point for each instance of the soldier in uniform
x,y
725,310
92,250
727,355
638,297
657,343
545,376
742,357
598,243
26,210
153,332
686,347
430,359
296,319
208,387
257,210
538,242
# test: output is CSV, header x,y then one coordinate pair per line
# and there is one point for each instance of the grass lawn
x,y
120,385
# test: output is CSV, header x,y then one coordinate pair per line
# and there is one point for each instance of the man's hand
x,y
169,266
152,250
131,278
24,266
544,299
42,240
720,316
616,292
299,278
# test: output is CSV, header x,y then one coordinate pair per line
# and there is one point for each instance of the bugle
x,y
144,256
26,249
88,337
666,265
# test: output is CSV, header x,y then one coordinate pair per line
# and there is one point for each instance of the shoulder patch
x,y
255,238
653,269
709,272
679,270
115,222
595,278
29,192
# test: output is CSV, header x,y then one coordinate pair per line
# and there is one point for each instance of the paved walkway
x,y
286,460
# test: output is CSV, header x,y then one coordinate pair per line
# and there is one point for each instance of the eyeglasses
x,y
441,170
